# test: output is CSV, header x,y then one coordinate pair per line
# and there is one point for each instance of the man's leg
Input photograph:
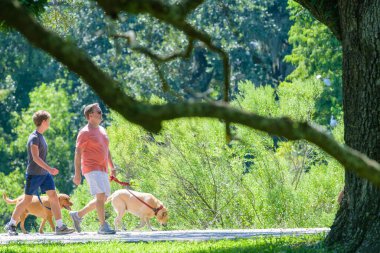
x,y
21,206
88,208
100,200
104,226
77,216
54,204
98,183
60,229
32,183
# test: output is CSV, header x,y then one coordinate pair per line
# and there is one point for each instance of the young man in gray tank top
x,y
39,176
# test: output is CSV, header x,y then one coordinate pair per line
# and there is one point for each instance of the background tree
x,y
355,25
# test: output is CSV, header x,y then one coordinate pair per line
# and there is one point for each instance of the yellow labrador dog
x,y
39,210
143,205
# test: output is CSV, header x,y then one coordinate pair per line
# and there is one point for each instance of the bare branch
x,y
174,15
153,55
155,58
151,116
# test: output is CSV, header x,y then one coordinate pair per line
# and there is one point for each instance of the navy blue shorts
x,y
33,182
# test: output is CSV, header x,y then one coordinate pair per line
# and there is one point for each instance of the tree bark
x,y
357,223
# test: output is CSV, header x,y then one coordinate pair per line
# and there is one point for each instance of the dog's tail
x,y
8,200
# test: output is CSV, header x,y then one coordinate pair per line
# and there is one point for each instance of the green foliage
x,y
36,7
3,94
314,46
298,99
316,53
289,200
12,185
305,243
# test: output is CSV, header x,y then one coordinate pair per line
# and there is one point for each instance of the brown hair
x,y
40,116
89,109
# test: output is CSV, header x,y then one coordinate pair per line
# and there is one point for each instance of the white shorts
x,y
98,182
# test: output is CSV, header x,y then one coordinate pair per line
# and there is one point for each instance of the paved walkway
x,y
176,235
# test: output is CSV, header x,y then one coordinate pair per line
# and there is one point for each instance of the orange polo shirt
x,y
93,143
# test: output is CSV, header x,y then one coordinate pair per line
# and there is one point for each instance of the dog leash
x,y
155,210
38,196
112,178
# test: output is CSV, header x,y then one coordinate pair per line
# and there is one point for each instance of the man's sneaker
x,y
76,220
106,230
11,229
64,230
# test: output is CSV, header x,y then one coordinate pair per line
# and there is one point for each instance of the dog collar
x,y
156,210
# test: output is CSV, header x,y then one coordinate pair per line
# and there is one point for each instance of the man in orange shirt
x,y
92,157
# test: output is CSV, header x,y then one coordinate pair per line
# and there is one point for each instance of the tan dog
x,y
123,201
35,208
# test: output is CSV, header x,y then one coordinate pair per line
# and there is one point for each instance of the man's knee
x,y
52,195
101,197
27,200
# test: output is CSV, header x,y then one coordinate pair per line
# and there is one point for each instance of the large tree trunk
x,y
357,223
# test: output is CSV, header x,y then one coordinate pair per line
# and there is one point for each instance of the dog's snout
x,y
164,224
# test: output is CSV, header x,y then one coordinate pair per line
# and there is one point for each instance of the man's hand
x,y
53,171
113,172
77,178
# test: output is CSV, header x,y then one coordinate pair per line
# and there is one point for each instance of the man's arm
x,y
77,165
37,159
110,163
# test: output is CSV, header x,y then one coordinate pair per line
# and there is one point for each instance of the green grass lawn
x,y
309,243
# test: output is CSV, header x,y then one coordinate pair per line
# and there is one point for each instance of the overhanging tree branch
x,y
151,116
174,15
326,11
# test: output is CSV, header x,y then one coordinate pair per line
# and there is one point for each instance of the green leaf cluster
x,y
316,53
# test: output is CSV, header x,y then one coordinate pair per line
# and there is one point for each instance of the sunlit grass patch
x,y
307,243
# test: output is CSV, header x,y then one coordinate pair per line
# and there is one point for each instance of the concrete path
x,y
176,235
